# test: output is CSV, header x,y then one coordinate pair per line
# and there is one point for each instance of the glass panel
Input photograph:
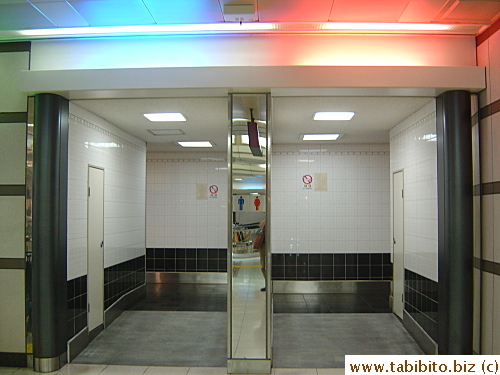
x,y
249,307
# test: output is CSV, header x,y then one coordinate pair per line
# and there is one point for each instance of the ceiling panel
x,y
44,1
421,10
367,10
206,119
292,116
113,12
472,12
22,16
185,11
294,10
373,118
61,14
3,2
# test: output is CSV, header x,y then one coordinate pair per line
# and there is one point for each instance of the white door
x,y
95,248
398,239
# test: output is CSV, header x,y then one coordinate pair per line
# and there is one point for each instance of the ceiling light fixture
x,y
251,27
333,116
169,116
320,137
166,131
195,144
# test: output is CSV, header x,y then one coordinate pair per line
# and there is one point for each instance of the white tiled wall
x,y
11,64
488,55
414,150
351,216
12,208
12,172
176,216
95,142
12,311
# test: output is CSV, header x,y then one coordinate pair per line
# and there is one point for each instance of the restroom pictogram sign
x,y
214,189
307,180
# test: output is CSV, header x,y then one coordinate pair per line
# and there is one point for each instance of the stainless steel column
x,y
455,227
50,181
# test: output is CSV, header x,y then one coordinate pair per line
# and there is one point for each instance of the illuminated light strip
x,y
373,26
248,27
148,29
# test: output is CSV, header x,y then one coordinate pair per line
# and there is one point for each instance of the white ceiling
x,y
39,14
207,118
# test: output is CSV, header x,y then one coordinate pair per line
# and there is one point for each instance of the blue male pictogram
x,y
241,202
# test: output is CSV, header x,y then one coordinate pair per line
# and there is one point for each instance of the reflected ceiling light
x,y
166,131
238,179
333,116
320,137
429,137
195,144
262,165
169,116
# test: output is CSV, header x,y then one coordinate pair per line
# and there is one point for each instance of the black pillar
x,y
50,192
455,229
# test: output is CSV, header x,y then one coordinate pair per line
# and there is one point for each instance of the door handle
x,y
102,243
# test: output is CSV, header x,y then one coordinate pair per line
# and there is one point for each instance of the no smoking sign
x,y
213,189
307,180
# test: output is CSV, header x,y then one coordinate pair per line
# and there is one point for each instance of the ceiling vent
x,y
239,12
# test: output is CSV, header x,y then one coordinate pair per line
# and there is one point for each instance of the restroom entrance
x,y
329,236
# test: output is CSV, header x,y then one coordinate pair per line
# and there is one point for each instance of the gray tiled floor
x,y
149,338
322,340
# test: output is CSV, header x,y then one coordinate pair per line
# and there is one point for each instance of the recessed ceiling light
x,y
195,144
170,116
320,137
328,116
166,131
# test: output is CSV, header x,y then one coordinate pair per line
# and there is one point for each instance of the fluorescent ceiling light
x,y
248,27
238,179
172,116
320,137
262,165
386,26
166,131
195,144
329,116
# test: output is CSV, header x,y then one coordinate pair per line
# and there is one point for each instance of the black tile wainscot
x,y
77,305
186,260
122,278
421,301
331,267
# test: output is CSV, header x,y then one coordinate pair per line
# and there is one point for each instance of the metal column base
x,y
50,364
248,366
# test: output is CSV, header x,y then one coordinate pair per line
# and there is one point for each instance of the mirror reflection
x,y
249,161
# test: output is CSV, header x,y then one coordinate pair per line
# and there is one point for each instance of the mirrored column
x,y
249,302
